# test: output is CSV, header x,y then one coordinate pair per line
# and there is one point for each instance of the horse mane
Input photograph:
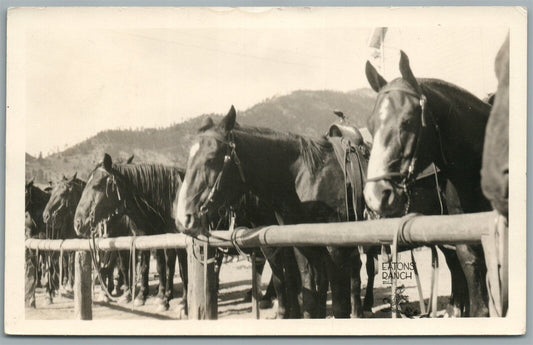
x,y
451,91
313,151
154,183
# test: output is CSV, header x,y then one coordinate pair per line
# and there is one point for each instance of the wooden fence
x,y
202,294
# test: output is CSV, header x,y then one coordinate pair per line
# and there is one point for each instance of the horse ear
x,y
108,162
405,70
375,80
206,124
130,159
228,122
30,182
74,176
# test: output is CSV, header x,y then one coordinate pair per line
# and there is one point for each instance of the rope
x,y
133,281
61,263
421,302
394,260
97,265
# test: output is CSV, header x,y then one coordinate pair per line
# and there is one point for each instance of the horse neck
x,y
39,199
149,199
458,145
77,190
266,160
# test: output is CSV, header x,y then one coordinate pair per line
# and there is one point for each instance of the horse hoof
x,y
181,311
69,289
30,303
182,314
162,307
125,298
452,312
138,302
102,297
265,303
48,301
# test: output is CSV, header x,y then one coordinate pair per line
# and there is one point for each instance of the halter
x,y
231,156
406,179
111,185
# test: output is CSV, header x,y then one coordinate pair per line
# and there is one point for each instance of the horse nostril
x,y
77,224
189,221
386,195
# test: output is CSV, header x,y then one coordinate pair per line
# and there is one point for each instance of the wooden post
x,y
82,286
255,287
202,292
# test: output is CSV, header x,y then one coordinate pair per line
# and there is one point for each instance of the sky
x,y
83,78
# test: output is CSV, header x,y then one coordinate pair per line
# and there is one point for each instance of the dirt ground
x,y
235,281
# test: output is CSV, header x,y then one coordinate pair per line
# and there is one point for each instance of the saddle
x,y
352,152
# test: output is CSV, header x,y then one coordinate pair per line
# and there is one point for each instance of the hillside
x,y
304,112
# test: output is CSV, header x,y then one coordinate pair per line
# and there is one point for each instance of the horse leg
x,y
168,271
357,308
182,262
312,273
275,261
144,269
70,265
124,267
30,277
459,296
339,270
162,272
371,263
473,264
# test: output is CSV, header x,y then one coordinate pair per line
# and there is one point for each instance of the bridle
x,y
111,187
405,179
231,156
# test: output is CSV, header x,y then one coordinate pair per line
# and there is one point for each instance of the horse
x,y
495,186
59,215
297,178
432,194
36,200
495,167
144,193
417,122
250,211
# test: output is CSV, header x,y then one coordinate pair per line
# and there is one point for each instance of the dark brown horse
x,y
431,194
417,122
144,193
251,212
59,215
495,170
47,263
495,184
35,202
297,177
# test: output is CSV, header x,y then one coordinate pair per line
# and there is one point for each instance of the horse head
x,y
64,197
214,175
399,123
102,199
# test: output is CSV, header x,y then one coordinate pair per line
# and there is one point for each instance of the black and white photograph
x,y
283,171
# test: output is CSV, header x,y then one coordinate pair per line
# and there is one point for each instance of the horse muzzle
x,y
384,198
